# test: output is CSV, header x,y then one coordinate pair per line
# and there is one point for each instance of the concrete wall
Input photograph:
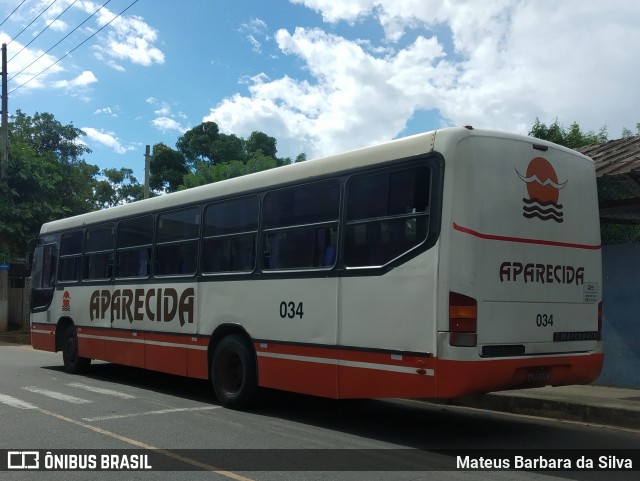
x,y
621,316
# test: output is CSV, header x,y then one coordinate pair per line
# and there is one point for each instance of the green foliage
x,y
46,179
167,169
211,156
259,141
573,138
228,148
206,173
205,143
198,143
47,136
117,187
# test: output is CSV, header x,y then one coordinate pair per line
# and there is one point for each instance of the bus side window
x,y
133,249
230,235
99,243
387,215
177,235
70,263
301,226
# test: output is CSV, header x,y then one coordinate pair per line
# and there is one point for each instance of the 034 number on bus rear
x,y
544,320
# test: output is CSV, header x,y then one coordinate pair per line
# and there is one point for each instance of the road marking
x,y
16,403
101,390
57,395
161,411
140,444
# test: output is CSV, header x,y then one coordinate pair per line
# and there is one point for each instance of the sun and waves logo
x,y
66,301
544,191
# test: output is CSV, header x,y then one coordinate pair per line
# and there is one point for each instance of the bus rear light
x,y
600,320
463,316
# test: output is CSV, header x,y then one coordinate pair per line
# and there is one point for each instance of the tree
x,y
261,141
572,138
117,187
167,169
48,136
46,179
198,143
227,148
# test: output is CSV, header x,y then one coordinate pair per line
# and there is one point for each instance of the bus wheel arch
x,y
233,367
67,342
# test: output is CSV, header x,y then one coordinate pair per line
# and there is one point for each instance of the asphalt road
x,y
287,436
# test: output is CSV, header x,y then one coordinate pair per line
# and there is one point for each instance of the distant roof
x,y
618,163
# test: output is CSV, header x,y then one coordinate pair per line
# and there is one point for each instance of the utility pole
x,y
147,163
4,138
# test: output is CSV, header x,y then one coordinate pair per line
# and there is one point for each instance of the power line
x,y
58,43
77,46
43,30
31,23
11,14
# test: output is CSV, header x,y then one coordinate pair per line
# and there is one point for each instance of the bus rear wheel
x,y
73,363
234,373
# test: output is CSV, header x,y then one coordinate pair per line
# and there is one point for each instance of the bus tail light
x,y
600,320
463,316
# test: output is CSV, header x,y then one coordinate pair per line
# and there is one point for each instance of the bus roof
x,y
405,147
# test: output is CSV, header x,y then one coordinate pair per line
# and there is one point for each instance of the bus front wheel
x,y
73,363
234,373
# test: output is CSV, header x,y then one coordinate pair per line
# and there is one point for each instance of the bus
x,y
447,263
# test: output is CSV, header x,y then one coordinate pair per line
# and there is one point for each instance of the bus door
x,y
42,290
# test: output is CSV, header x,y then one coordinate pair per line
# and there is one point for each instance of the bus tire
x,y
233,372
73,363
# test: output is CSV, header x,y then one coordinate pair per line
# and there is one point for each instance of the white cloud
x,y
82,80
126,38
165,120
108,139
254,30
30,63
108,111
166,124
495,64
57,25
357,98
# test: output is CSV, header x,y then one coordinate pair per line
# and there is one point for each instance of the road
x,y
114,408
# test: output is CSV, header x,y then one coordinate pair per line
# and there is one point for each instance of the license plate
x,y
539,375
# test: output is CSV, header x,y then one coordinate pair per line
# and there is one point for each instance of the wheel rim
x,y
232,374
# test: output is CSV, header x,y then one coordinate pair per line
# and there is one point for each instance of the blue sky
x,y
321,76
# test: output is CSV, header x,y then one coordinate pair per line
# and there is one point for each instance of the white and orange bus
x,y
447,263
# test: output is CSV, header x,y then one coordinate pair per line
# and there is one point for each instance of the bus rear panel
x,y
523,267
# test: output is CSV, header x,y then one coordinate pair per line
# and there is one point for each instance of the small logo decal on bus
x,y
544,191
66,301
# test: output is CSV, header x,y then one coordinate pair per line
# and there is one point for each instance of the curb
x,y
549,408
22,336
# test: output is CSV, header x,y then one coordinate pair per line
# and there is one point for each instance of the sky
x,y
321,76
